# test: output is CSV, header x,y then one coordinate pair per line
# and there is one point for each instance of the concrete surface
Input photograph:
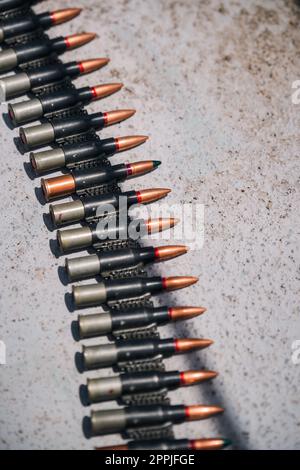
x,y
212,83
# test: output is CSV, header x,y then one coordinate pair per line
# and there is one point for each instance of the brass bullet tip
x,y
101,91
113,117
150,195
191,344
77,40
196,412
129,142
163,253
179,282
158,225
120,447
183,313
209,444
90,65
191,377
58,186
61,16
141,168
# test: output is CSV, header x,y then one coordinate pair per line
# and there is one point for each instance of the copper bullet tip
x,y
179,282
183,313
141,168
160,224
209,444
150,195
61,16
163,253
90,65
58,186
191,344
120,447
191,377
129,142
196,412
113,117
77,40
101,91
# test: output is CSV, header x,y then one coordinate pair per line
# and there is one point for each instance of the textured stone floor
x,y
212,83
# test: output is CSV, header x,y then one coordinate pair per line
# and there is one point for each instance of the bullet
x,y
172,444
61,128
19,25
20,83
135,383
104,323
116,289
110,354
79,180
70,155
93,207
30,51
31,110
95,234
96,264
117,420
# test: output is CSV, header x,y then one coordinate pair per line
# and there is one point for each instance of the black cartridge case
x,y
79,180
85,237
117,420
115,289
91,207
111,388
93,265
106,322
61,128
106,355
6,5
22,53
22,24
69,155
34,109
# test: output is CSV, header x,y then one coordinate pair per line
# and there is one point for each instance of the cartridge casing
x,y
91,325
67,212
105,355
47,160
8,60
131,383
74,239
37,135
89,295
83,267
25,111
108,421
94,355
104,389
95,325
14,85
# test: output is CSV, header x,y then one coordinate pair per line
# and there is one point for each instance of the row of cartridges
x,y
115,258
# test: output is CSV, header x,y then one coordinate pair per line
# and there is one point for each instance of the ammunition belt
x,y
160,397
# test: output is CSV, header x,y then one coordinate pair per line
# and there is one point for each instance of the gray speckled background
x,y
211,81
